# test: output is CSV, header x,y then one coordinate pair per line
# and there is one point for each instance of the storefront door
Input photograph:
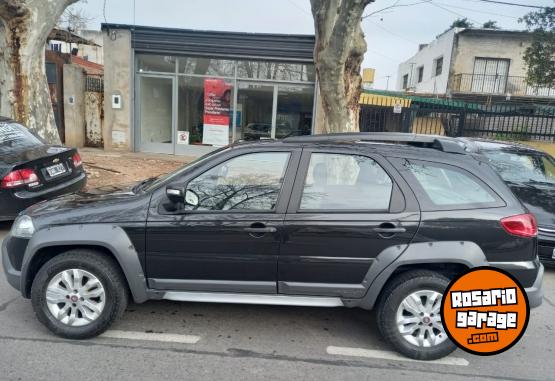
x,y
156,114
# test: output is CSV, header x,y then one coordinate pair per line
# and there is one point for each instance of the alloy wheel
x,y
419,319
75,297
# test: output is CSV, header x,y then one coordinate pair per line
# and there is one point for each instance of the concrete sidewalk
x,y
115,168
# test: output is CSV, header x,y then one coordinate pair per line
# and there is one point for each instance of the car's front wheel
x,y
409,315
78,294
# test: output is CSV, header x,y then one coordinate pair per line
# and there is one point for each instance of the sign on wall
x,y
182,137
217,103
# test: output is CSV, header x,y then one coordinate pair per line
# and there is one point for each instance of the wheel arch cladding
x,y
110,239
448,255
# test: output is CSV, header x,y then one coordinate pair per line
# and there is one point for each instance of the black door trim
x,y
212,285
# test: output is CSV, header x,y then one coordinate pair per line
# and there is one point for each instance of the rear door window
x,y
345,182
14,137
445,187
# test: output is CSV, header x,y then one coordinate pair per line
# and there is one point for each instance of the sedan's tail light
x,y
523,225
77,162
20,177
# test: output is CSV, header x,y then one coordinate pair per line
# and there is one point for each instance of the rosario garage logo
x,y
485,311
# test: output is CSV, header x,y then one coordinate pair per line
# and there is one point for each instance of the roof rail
x,y
441,143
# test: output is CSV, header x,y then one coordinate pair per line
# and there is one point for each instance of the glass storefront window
x,y
294,110
205,109
155,63
294,72
280,71
254,111
206,66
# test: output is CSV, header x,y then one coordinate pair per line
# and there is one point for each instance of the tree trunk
x,y
338,55
24,95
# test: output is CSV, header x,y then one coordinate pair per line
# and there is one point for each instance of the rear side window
x,y
445,187
14,137
345,182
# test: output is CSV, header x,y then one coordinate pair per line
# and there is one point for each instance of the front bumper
x,y
12,274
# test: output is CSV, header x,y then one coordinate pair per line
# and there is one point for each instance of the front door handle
x,y
390,230
261,230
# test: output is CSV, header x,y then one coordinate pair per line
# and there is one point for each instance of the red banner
x,y
217,104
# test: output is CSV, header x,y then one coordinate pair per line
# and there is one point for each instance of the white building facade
x,y
477,61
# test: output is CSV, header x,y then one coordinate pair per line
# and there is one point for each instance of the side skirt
x,y
277,300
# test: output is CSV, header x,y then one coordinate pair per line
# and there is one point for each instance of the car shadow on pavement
x,y
270,324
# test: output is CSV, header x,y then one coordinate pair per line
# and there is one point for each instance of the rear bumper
x,y
534,291
13,202
546,248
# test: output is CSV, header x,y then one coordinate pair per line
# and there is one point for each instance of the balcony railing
x,y
498,84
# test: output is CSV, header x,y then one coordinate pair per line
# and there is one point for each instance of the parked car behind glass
x,y
32,170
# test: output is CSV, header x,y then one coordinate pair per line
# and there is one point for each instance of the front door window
x,y
247,182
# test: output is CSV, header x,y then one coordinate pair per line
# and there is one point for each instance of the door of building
x,y
490,75
156,114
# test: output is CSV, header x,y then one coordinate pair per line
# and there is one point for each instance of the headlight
x,y
23,227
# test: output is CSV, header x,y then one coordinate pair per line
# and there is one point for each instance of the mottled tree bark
x,y
338,55
24,95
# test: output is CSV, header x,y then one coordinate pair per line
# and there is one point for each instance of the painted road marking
x,y
385,355
145,336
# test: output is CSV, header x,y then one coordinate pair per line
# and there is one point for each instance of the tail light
x,y
20,177
77,162
523,225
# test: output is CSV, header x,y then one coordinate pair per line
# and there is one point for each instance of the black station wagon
x,y
378,221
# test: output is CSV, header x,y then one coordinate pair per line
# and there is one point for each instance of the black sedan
x,y
530,174
32,170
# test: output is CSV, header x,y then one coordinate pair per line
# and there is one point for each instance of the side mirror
x,y
175,193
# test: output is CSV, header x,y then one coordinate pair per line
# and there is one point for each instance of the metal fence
x,y
498,84
501,122
94,83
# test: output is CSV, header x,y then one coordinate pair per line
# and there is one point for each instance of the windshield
x,y
523,167
14,137
154,182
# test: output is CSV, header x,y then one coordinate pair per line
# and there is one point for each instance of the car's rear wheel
x,y
409,315
78,294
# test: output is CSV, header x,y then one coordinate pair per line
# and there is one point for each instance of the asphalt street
x,y
167,340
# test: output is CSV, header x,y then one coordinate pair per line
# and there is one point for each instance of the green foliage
x,y
490,25
461,23
516,134
540,55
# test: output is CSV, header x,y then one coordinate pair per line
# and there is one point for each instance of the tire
x,y
419,284
109,306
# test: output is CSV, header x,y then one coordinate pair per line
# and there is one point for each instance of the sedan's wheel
x,y
409,315
78,294
75,297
